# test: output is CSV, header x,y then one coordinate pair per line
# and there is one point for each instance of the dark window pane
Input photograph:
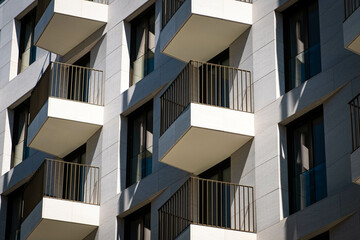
x,y
138,224
14,214
27,49
143,47
140,142
306,156
323,236
301,43
20,151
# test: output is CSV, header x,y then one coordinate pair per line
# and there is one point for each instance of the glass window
x,y
301,43
20,151
217,94
307,163
216,193
14,214
323,236
27,49
140,142
138,225
142,45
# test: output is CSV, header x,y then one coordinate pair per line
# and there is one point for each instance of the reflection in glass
x,y
140,142
301,43
307,164
143,46
20,151
27,49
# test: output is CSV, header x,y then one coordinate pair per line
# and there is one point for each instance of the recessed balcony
x,y
66,108
200,29
63,24
355,137
208,209
206,115
351,26
61,201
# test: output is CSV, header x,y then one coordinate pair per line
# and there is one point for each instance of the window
x,y
140,142
306,161
14,214
220,172
142,46
138,225
323,236
216,193
27,49
20,151
79,79
75,175
301,43
215,89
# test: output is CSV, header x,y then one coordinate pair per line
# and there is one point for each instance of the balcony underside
x,y
198,232
60,219
66,23
203,136
201,29
62,126
351,30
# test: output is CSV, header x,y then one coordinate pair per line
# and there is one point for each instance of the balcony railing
x,y
70,82
210,84
43,4
62,180
170,7
355,122
209,203
350,6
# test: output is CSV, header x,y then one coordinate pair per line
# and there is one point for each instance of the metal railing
x,y
350,6
209,203
355,122
43,4
70,82
210,84
170,7
62,180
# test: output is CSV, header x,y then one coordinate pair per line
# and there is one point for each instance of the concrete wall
x,y
262,162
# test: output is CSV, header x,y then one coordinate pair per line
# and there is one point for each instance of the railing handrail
x,y
70,82
354,105
209,84
71,163
352,101
350,6
210,203
62,180
170,7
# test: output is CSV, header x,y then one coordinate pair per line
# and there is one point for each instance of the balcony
x,y
355,137
208,209
206,115
66,108
351,25
61,201
63,24
200,29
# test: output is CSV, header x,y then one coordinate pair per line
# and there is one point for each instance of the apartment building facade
x,y
179,119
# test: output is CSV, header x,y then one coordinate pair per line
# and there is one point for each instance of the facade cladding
x,y
179,119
